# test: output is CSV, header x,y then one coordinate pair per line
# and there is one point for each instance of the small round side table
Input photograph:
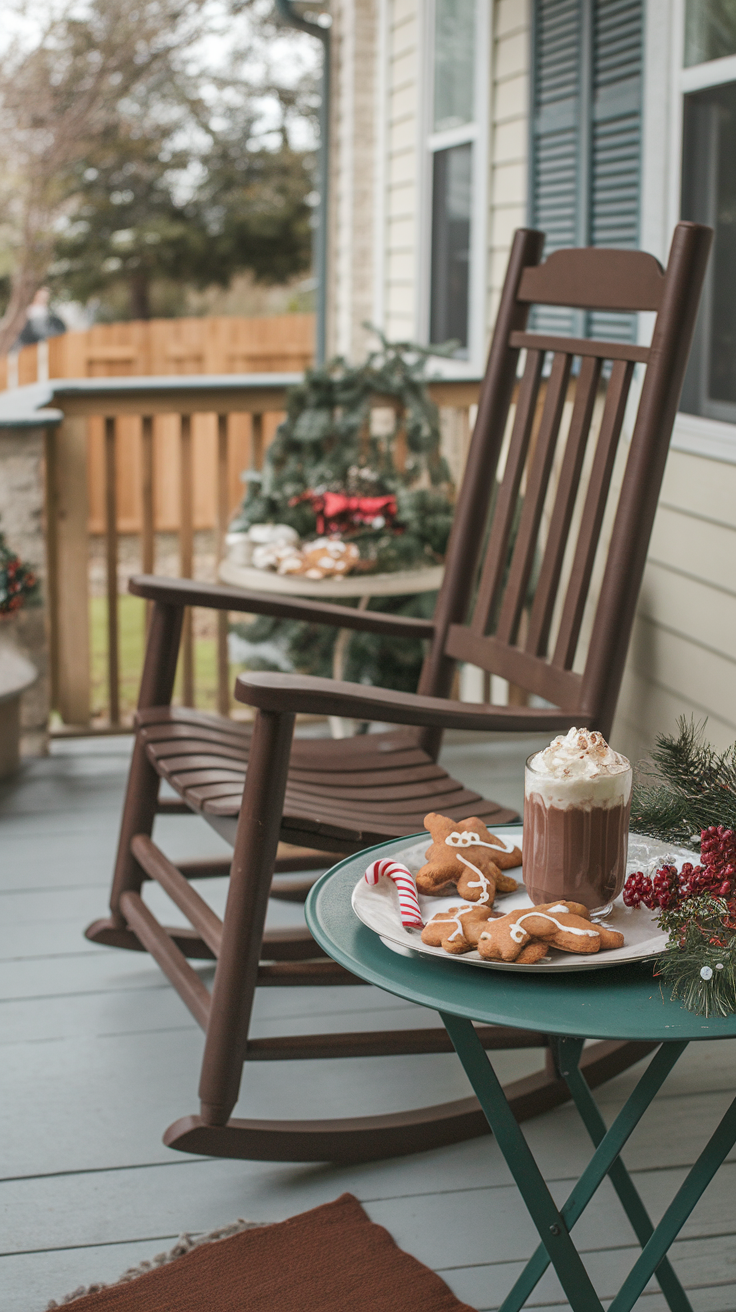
x,y
364,586
612,1003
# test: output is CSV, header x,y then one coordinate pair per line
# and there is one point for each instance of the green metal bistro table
x,y
616,1003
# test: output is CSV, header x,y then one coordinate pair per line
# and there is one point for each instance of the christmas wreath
x,y
329,471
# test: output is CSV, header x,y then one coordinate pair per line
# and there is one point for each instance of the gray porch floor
x,y
99,1056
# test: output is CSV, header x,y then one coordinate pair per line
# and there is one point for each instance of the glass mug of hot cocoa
x,y
577,800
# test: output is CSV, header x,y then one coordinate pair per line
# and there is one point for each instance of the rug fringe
x,y
184,1244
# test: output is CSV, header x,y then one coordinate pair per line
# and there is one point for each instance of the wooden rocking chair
x,y
341,796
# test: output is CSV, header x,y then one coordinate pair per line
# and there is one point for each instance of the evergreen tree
x,y
128,159
327,443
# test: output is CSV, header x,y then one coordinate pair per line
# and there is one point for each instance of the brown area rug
x,y
331,1259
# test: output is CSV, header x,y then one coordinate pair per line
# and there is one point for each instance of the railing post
x,y
223,665
256,441
69,498
111,562
186,551
147,504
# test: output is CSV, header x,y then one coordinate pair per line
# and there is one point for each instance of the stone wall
x,y
22,520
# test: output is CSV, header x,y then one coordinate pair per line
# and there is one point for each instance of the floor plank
x,y
99,1056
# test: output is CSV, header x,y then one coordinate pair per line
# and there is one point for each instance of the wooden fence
x,y
162,347
215,428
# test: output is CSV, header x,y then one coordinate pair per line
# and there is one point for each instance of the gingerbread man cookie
x,y
464,853
457,929
322,559
563,925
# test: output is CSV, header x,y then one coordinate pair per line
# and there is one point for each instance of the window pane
x,y
451,199
710,30
454,63
709,196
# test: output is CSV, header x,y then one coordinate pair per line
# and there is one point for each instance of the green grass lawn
x,y
131,622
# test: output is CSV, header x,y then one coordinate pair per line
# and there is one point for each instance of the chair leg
x,y
250,884
141,798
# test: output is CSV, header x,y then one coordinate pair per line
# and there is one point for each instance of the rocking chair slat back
x,y
548,503
508,492
539,470
562,511
592,516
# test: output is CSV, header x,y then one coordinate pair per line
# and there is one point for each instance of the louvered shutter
x,y
555,131
586,136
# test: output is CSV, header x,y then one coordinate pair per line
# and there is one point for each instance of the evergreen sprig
x,y
687,787
699,962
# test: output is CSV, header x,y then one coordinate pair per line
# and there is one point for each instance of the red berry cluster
x,y
718,848
16,580
717,875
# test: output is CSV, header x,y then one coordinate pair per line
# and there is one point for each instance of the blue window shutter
x,y
586,136
554,136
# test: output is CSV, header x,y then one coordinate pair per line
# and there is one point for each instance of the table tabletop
x,y
398,583
618,1002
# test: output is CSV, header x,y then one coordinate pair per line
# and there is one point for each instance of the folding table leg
x,y
529,1179
567,1059
602,1161
691,1190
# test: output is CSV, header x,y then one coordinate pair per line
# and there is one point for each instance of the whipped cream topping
x,y
581,753
578,769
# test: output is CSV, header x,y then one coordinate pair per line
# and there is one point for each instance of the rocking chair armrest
x,y
217,596
294,693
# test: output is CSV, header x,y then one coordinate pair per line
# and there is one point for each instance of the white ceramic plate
x,y
378,907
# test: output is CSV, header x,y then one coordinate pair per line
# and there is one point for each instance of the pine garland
x,y
699,962
688,787
686,794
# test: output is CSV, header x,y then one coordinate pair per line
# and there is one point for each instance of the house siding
x,y
509,140
353,175
682,659
683,651
401,201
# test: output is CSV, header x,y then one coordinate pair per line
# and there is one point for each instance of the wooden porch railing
x,y
207,415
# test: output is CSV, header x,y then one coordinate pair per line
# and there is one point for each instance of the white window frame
x,y
478,134
667,82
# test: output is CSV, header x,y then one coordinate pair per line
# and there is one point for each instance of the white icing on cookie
x,y
452,920
481,882
517,931
467,838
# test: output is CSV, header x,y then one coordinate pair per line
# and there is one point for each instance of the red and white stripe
x,y
404,880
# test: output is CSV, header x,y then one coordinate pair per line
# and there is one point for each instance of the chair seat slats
x,y
173,765
171,748
389,794
378,793
173,715
356,778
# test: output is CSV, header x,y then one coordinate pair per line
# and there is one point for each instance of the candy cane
x,y
404,881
